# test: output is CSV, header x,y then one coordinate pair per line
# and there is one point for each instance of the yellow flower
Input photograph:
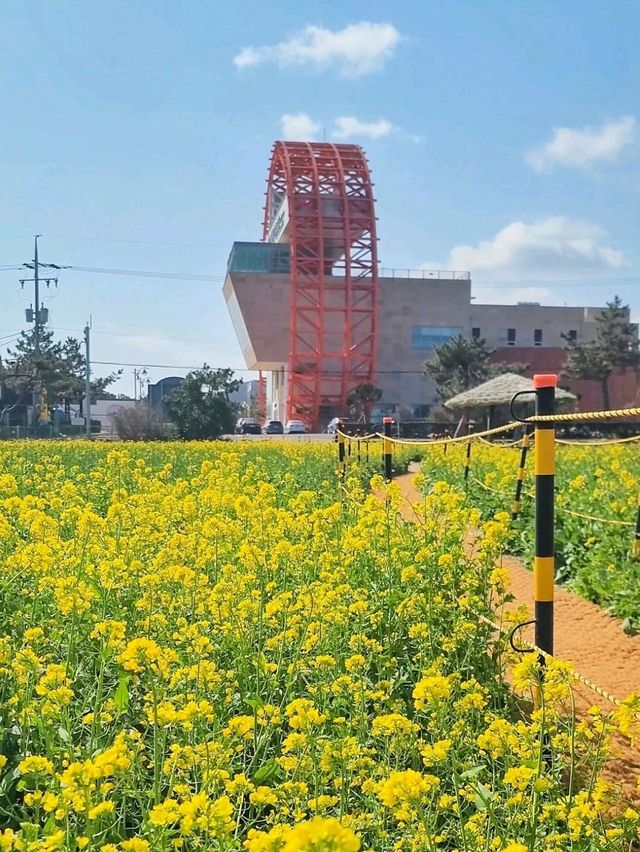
x,y
519,777
407,786
263,796
35,765
431,689
135,844
321,835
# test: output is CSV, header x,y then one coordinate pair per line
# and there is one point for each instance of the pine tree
x,y
56,368
615,347
200,408
363,397
461,364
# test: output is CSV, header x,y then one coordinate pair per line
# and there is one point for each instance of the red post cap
x,y
545,380
387,419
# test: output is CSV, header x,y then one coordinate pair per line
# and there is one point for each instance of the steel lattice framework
x,y
320,201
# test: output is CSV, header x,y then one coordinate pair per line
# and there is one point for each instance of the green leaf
x,y
473,772
254,703
64,735
267,772
121,695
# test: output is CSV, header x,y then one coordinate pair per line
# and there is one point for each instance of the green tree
x,y
461,364
615,347
57,368
363,397
200,408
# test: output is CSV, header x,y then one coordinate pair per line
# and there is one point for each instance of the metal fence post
x,y
635,550
467,463
545,469
341,454
517,500
387,448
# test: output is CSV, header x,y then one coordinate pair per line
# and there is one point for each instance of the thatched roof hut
x,y
498,391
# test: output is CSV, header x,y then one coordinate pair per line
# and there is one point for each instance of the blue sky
x,y
502,137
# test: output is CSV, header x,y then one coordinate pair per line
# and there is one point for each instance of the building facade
x,y
416,314
312,308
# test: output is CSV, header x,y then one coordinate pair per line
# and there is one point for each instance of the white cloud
x,y
347,126
550,245
300,127
583,147
355,50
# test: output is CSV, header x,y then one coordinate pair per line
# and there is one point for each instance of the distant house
x,y
159,392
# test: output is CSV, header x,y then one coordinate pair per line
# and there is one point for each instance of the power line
x,y
186,276
137,336
138,273
130,242
245,369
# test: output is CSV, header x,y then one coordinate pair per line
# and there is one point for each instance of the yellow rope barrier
x,y
580,678
488,487
594,518
597,443
503,445
462,439
580,416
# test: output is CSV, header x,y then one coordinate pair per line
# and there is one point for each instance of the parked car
x,y
273,427
250,427
295,427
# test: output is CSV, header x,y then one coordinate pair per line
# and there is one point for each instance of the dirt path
x,y
586,635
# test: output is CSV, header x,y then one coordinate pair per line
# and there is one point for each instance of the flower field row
x,y
213,646
594,557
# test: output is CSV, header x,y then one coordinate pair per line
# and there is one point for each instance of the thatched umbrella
x,y
498,391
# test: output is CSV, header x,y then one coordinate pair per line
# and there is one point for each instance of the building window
x,y
432,336
475,333
573,334
537,337
511,337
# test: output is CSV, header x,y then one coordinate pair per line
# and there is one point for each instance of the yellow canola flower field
x,y
224,647
597,499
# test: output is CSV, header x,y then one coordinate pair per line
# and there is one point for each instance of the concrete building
x,y
416,314
295,304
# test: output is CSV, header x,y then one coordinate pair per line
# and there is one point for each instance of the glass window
x,y
511,337
537,337
431,336
573,334
259,257
475,333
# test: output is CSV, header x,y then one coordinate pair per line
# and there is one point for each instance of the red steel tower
x,y
320,201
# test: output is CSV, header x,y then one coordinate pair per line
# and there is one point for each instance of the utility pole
x,y
36,283
87,379
38,315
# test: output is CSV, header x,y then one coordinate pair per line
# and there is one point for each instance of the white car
x,y
295,427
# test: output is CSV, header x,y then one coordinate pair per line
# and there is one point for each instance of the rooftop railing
x,y
444,274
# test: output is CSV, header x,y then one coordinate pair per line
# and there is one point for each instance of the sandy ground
x,y
586,635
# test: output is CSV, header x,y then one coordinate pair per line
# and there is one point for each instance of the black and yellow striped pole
x,y
349,442
341,450
545,470
467,462
635,550
517,500
387,448
359,451
467,455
